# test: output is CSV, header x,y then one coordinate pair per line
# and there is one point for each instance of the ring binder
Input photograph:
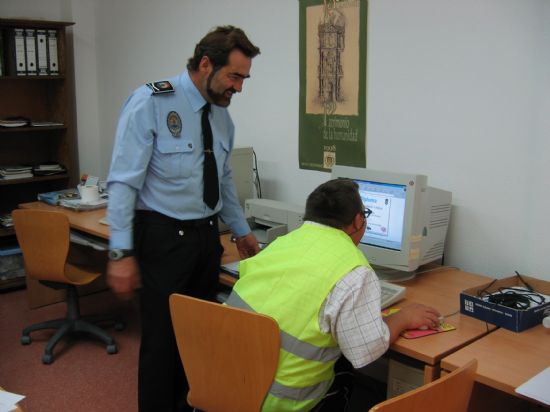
x,y
19,50
52,52
42,52
30,51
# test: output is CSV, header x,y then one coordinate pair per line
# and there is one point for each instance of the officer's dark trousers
x,y
174,257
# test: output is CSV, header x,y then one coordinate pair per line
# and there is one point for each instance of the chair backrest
x,y
230,355
450,393
44,240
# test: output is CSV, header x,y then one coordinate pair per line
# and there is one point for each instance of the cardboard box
x,y
472,304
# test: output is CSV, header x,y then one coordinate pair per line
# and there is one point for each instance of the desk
x,y
88,222
441,288
505,359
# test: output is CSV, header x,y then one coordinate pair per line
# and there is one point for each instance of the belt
x,y
150,216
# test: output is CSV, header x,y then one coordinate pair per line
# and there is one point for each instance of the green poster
x,y
333,72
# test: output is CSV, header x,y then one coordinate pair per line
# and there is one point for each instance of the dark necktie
x,y
210,171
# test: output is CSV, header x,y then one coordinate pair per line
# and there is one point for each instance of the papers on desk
x,y
79,205
70,199
8,401
53,198
538,387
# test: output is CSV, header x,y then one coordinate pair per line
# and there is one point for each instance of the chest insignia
x,y
173,121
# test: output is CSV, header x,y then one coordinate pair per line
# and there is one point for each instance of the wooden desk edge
x,y
88,222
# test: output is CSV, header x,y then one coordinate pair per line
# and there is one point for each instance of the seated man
x,y
325,297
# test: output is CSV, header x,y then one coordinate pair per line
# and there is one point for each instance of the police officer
x,y
169,181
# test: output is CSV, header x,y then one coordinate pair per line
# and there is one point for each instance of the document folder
x,y
52,52
30,49
42,52
19,50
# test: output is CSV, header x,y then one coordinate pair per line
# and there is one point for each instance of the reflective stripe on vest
x,y
290,343
299,394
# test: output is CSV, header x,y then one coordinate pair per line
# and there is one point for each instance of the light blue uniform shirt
x,y
153,170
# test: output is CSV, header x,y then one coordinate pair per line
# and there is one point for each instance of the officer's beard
x,y
219,99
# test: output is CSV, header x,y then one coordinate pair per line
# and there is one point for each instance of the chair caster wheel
x,y
120,326
47,359
26,340
112,349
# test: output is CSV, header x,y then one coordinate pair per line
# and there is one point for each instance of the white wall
x,y
455,93
459,91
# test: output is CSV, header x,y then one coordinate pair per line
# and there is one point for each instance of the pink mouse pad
x,y
418,333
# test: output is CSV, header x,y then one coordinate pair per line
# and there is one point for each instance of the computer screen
x,y
409,220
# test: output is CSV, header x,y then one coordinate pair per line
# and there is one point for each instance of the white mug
x,y
88,194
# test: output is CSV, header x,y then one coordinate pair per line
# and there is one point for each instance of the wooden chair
x,y
230,355
44,238
450,393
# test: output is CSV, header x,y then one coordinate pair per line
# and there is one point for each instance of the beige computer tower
x,y
242,165
403,378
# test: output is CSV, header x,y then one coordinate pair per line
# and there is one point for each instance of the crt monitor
x,y
409,220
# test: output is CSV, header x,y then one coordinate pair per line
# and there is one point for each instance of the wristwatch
x,y
117,254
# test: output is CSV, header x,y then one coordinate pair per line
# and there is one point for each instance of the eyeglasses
x,y
367,212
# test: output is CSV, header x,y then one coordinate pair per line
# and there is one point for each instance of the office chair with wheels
x,y
230,355
44,238
450,393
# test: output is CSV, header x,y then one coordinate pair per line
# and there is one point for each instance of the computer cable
x,y
512,297
257,183
527,285
451,314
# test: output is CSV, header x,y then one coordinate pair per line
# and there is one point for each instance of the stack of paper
x,y
15,172
45,124
6,220
46,169
78,205
13,123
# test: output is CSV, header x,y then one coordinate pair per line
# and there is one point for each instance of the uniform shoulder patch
x,y
163,86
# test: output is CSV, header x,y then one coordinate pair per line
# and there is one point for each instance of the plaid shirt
x,y
351,312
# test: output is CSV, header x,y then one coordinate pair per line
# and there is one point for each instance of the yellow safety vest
x,y
289,281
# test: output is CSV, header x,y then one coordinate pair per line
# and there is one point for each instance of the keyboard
x,y
231,268
391,293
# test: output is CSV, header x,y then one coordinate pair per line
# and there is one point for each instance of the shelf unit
x,y
38,98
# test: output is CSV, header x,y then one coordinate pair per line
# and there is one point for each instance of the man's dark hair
x,y
334,203
217,45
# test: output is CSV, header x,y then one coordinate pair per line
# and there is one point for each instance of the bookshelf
x,y
44,94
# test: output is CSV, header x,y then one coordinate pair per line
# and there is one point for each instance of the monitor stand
x,y
392,275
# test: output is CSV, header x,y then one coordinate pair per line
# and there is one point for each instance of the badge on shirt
x,y
173,121
164,86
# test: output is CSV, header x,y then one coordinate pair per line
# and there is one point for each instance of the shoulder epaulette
x,y
164,86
